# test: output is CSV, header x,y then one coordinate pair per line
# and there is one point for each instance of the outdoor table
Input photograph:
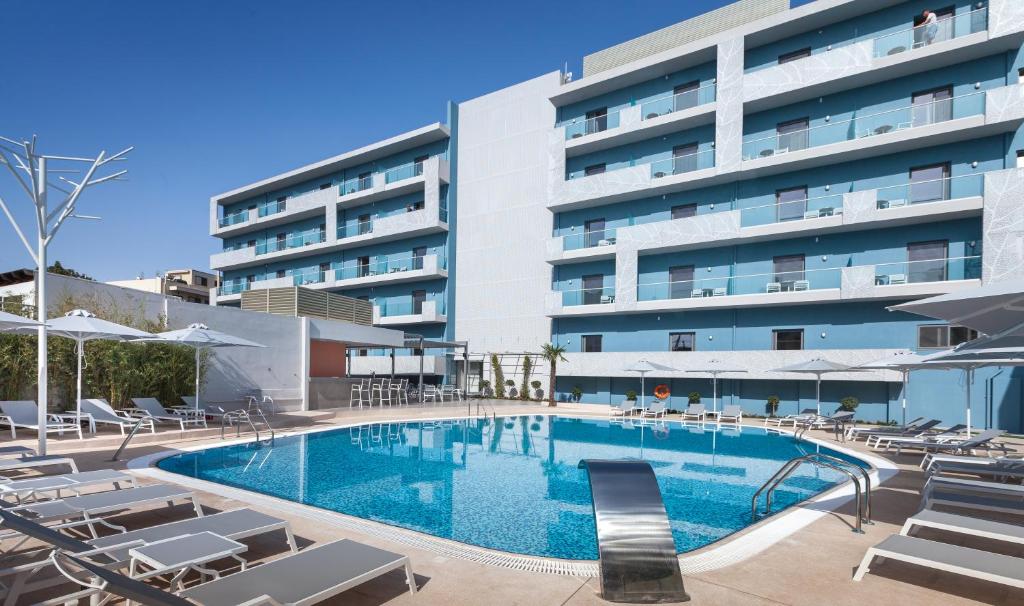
x,y
181,554
881,130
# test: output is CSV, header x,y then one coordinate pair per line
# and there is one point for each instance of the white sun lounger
x,y
951,522
854,432
978,442
976,563
151,407
807,413
102,412
25,414
872,438
694,412
656,410
731,413
932,458
26,488
622,410
1003,471
37,461
972,486
948,435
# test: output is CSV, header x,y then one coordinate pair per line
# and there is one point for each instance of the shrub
x,y
535,384
772,405
577,393
499,377
631,395
527,369
694,397
849,404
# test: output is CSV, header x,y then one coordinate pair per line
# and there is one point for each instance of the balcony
x,y
386,270
394,313
295,245
298,207
393,182
649,119
290,242
581,301
866,61
396,226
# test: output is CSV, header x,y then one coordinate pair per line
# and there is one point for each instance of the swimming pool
x,y
512,483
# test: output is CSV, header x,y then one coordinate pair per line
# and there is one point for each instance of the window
x,y
930,106
362,266
680,281
281,243
417,165
250,279
418,205
365,225
927,261
941,336
324,186
791,204
685,95
792,135
251,244
590,343
418,297
787,270
684,158
282,204
595,169
323,232
593,289
929,183
593,233
417,257
325,267
681,341
793,56
281,273
597,120
788,339
683,211
203,282
365,180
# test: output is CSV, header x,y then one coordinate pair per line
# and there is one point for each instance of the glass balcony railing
x,y
932,190
678,165
925,35
589,239
384,266
677,102
295,241
407,307
232,288
582,127
784,211
783,281
273,208
588,296
876,123
405,171
234,219
355,184
442,213
305,278
355,228
929,270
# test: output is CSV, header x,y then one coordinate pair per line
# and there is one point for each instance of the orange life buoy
x,y
662,392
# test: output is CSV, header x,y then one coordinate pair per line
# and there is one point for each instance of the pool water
x,y
512,483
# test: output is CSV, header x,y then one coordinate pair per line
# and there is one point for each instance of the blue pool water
x,y
512,483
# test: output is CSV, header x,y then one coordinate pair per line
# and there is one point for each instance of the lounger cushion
x,y
954,558
317,571
969,525
107,501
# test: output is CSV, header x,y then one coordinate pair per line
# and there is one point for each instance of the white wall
x,y
503,221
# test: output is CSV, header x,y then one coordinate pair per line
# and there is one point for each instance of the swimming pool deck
x,y
813,566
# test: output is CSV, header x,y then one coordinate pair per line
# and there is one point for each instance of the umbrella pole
x,y
197,378
818,393
641,390
714,392
78,403
968,375
906,381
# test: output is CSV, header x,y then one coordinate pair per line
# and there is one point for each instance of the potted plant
x,y
631,395
485,388
511,384
537,391
849,404
577,393
772,405
553,354
694,397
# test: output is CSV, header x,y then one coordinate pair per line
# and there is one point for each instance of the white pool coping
x,y
740,546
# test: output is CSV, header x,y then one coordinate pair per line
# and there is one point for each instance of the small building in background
x,y
190,285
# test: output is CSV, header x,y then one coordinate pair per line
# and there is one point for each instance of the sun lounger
x,y
694,412
791,419
972,486
37,461
916,430
1009,470
978,442
931,459
73,482
17,451
301,579
657,410
731,413
151,407
855,432
980,502
951,522
623,409
102,413
953,433
976,563
25,414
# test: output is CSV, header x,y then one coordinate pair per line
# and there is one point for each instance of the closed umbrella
x,y
643,367
817,367
200,337
13,322
715,368
904,362
81,326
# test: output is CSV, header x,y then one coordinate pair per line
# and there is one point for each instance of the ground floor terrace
x,y
813,565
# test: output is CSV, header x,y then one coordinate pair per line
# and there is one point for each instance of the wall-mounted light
x,y
829,47
824,258
711,337
828,118
709,269
711,206
977,85
828,188
823,334
974,164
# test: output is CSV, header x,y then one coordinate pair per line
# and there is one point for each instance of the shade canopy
x,y
1006,347
645,366
11,321
817,367
904,362
715,368
990,309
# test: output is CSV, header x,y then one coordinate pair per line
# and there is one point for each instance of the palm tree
x,y
553,354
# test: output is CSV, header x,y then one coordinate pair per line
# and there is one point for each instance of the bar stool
x,y
360,393
398,391
382,392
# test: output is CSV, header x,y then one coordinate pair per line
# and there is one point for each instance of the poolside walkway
x,y
812,567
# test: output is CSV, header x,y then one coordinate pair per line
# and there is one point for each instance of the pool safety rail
x,y
252,417
128,438
637,560
851,470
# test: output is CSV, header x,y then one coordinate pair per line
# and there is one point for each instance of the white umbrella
x,y
11,322
81,326
643,367
715,368
969,362
817,367
904,362
200,337
991,309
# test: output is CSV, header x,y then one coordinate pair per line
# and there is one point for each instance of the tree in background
x,y
60,270
527,369
552,354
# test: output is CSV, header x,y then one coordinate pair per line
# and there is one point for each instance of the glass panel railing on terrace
x,y
272,208
933,190
234,219
232,288
385,265
309,277
875,123
686,163
589,239
581,127
925,35
588,296
407,307
295,241
677,102
357,228
787,281
784,211
405,171
928,270
355,185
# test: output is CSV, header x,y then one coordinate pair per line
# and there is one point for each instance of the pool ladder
x,y
863,497
250,417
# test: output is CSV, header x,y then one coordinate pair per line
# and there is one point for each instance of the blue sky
x,y
215,95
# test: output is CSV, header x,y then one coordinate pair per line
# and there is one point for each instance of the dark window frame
x,y
673,336
586,341
779,331
680,207
796,55
945,332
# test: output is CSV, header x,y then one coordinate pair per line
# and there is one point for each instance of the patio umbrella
x,y
991,309
80,326
200,337
968,366
715,368
817,367
12,322
904,362
643,367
